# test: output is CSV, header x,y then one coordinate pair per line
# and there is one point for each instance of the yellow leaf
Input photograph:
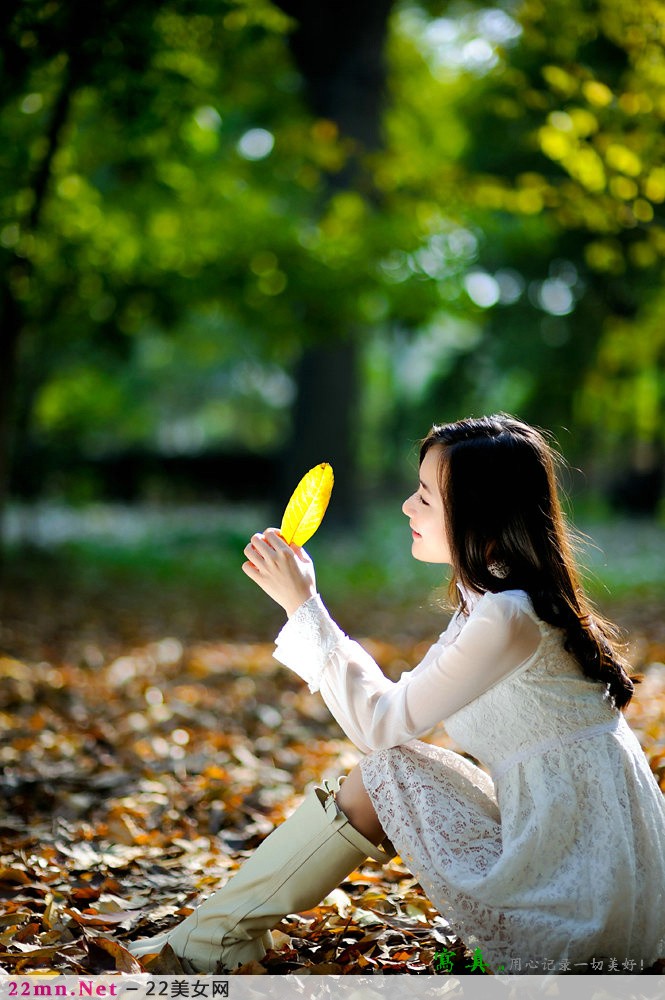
x,y
304,511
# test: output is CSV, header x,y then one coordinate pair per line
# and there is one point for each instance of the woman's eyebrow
x,y
424,486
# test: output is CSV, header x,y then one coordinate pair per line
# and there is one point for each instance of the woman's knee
x,y
354,801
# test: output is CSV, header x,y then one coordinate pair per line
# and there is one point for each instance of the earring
x,y
498,569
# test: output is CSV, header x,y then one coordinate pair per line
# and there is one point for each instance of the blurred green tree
x,y
132,208
562,181
247,222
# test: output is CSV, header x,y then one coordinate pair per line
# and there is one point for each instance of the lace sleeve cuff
x,y
307,640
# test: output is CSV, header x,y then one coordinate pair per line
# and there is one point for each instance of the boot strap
x,y
383,852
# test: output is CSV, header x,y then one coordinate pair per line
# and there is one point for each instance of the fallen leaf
x,y
123,959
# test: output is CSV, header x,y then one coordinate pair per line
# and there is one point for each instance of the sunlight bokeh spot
x,y
482,289
256,144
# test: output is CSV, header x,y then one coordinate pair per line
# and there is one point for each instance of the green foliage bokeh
x,y
188,228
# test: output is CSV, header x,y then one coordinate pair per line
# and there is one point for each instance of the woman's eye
x,y
423,501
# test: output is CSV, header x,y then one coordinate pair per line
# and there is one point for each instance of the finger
x,y
257,546
252,552
279,543
277,540
263,541
301,553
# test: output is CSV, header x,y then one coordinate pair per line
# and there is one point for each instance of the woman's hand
x,y
285,572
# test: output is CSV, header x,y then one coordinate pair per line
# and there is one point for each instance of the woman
x,y
554,859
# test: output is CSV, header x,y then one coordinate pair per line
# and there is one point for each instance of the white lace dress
x,y
558,858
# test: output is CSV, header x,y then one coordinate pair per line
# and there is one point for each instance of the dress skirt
x,y
544,872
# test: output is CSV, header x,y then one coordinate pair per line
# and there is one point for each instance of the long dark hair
x,y
497,478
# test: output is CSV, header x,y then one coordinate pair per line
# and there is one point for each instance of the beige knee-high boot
x,y
294,868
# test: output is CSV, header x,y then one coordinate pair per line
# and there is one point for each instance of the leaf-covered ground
x,y
147,750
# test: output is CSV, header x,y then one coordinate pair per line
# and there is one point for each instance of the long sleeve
x,y
375,712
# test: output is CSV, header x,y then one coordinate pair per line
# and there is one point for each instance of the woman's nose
x,y
405,505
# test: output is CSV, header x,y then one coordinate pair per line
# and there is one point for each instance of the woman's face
x,y
424,510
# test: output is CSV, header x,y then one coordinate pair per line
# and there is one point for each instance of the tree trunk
x,y
338,47
8,347
16,269
325,423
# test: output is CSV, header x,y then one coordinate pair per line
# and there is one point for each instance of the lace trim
x,y
498,770
307,640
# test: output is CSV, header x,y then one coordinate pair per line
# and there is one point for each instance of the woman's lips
x,y
416,534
